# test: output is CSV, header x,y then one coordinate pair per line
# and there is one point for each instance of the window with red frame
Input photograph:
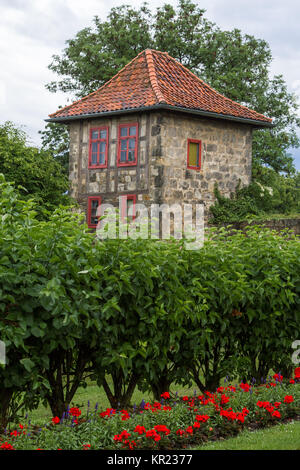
x,y
128,208
127,144
93,204
194,154
98,147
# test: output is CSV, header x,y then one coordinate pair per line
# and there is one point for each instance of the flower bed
x,y
173,423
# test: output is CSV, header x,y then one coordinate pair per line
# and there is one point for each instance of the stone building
x,y
156,133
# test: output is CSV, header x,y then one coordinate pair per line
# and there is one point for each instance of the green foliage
x,y
147,312
269,193
55,139
43,321
35,171
235,64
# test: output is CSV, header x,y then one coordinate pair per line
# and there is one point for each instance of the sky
x,y
32,31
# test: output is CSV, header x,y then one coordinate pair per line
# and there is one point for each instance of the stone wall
x,y
272,224
226,157
113,181
161,174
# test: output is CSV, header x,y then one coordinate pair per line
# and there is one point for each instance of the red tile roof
x,y
154,78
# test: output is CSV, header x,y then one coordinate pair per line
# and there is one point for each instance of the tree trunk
x,y
160,386
6,395
120,397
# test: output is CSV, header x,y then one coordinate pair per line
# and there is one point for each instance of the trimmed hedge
x,y
147,312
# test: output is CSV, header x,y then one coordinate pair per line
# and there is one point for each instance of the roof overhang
x,y
161,107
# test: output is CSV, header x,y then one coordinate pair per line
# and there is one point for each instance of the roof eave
x,y
163,106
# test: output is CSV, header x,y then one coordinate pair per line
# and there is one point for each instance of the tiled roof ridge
x,y
208,86
100,88
153,76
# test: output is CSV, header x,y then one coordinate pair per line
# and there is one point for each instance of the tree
x,y
36,171
235,64
55,139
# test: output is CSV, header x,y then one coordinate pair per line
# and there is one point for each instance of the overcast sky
x,y
31,31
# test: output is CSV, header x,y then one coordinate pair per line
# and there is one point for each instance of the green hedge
x,y
146,312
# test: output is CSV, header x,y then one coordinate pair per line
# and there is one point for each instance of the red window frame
x,y
91,141
89,214
127,137
194,141
127,197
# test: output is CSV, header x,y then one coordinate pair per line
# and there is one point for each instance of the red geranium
x,y
6,446
162,428
297,373
75,411
140,429
288,399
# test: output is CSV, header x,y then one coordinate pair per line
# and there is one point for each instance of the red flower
x,y
278,377
245,387
130,444
167,408
185,398
124,435
157,405
165,395
55,420
140,429
224,399
276,414
288,399
6,446
153,434
297,373
162,428
190,430
75,411
108,412
179,432
86,446
202,418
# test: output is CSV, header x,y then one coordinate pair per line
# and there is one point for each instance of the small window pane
x,y
103,134
95,135
102,158
94,204
131,143
193,154
123,156
123,144
124,131
94,159
102,146
132,130
130,207
94,207
94,147
131,155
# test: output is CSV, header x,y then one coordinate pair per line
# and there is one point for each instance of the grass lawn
x,y
278,437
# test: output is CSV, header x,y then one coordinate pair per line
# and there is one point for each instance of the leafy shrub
x,y
147,312
269,193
